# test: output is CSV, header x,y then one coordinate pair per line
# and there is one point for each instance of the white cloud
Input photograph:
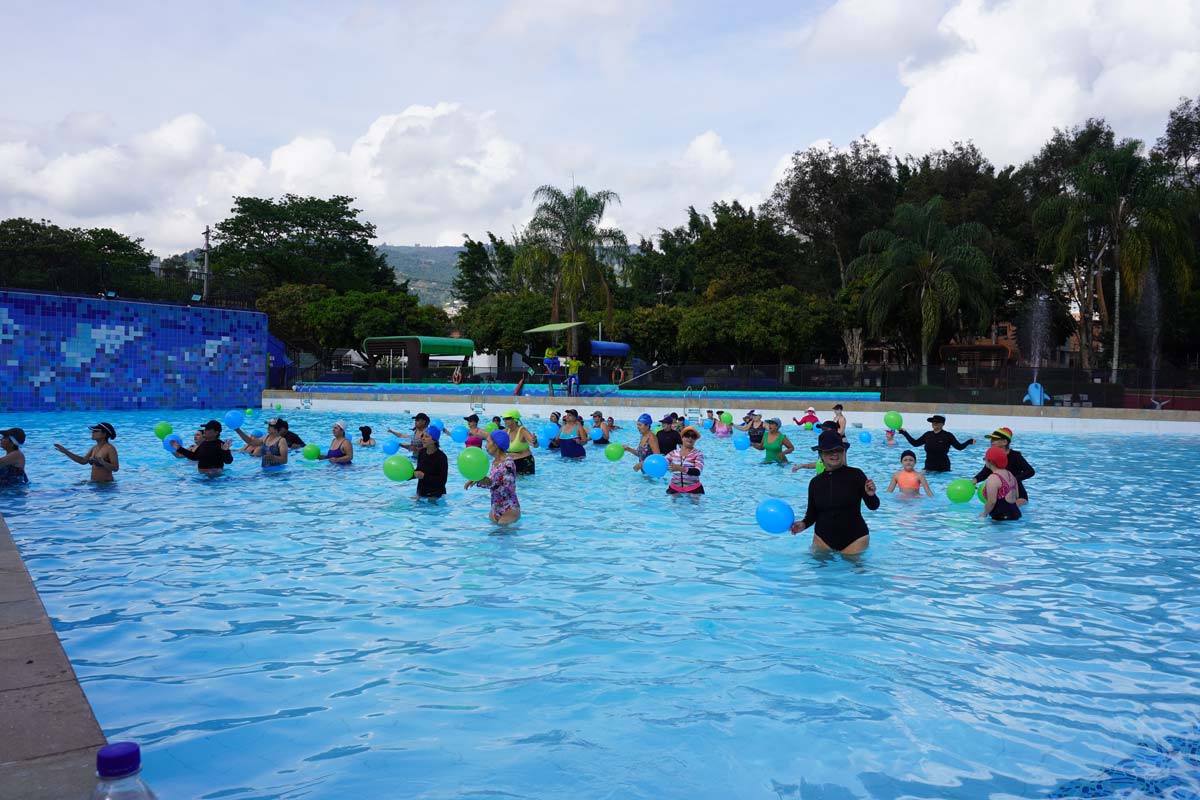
x,y
876,30
1024,67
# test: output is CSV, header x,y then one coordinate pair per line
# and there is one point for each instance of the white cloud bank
x,y
1005,74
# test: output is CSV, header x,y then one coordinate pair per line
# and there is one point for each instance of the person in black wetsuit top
x,y
834,499
211,455
1017,465
432,467
668,437
937,444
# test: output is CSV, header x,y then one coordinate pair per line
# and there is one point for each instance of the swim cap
x,y
646,419
512,413
997,457
907,454
434,433
500,439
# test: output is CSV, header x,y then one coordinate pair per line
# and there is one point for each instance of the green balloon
x,y
893,420
820,465
249,412
398,468
279,406
656,429
614,451
979,493
726,417
491,426
808,426
311,451
960,490
163,429
473,463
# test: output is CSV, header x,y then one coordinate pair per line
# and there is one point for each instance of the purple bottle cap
x,y
118,760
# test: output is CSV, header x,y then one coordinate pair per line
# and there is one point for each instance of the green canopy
x,y
428,345
555,327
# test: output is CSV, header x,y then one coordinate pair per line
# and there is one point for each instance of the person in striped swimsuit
x,y
686,462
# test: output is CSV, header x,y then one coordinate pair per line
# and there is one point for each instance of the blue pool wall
x,y
79,353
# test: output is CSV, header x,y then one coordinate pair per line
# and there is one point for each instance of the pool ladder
x,y
695,401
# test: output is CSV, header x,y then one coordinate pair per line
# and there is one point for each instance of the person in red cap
x,y
102,456
1000,490
1017,465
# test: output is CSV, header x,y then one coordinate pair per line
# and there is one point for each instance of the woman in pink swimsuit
x,y
686,463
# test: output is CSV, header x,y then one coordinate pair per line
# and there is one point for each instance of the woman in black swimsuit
x,y
834,499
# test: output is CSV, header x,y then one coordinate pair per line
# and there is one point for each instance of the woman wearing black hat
x,y
12,463
937,444
102,456
834,501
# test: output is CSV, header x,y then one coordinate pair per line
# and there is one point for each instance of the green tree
x,y
304,240
41,255
286,308
483,269
344,321
920,262
1179,146
741,249
565,239
757,327
497,323
833,197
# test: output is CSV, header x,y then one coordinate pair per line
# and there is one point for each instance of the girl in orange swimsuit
x,y
910,481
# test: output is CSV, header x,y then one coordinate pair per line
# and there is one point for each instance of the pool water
x,y
318,633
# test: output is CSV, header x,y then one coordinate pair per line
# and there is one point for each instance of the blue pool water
x,y
316,633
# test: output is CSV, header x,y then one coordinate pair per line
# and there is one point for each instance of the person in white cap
x,y
809,418
12,460
102,456
341,451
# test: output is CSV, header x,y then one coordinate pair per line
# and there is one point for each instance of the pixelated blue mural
x,y
78,353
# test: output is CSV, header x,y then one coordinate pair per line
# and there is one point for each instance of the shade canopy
x,y
555,327
424,345
609,349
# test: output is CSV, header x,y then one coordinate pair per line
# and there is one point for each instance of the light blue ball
x,y
775,516
460,433
166,442
655,466
708,423
865,437
437,423
741,440
258,434
596,434
391,447
549,431
234,419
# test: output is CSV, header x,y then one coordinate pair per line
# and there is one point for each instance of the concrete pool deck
x,y
963,418
48,733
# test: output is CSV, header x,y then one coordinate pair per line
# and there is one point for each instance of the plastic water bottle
x,y
117,769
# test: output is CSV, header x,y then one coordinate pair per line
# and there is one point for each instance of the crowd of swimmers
x,y
835,495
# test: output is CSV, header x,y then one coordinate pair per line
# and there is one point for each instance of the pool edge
x,y
48,732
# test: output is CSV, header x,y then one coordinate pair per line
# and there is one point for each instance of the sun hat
x,y
1001,433
16,434
775,420
828,425
599,414
646,419
811,410
512,413
829,440
689,431
997,457
838,407
108,429
500,439
936,418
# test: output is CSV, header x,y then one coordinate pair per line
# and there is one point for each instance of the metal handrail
x,y
644,374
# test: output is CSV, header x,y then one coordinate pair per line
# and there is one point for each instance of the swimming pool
x,y
317,633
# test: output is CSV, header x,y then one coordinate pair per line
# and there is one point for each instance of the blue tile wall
x,y
79,353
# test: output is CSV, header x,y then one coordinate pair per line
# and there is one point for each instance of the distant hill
x,y
429,270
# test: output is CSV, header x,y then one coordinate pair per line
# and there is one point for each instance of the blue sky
x,y
443,117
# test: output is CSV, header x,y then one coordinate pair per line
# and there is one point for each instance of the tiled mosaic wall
x,y
78,353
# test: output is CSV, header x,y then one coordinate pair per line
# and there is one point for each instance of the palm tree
x,y
921,262
564,239
1122,204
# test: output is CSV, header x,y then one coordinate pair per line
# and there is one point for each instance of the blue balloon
x,y
391,447
708,423
865,437
460,433
437,423
775,516
596,434
258,434
549,430
166,442
741,440
655,466
234,419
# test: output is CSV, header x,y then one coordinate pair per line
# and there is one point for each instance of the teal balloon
x,y
893,420
596,434
865,437
960,490
655,466
775,516
741,440
391,447
473,463
613,451
398,468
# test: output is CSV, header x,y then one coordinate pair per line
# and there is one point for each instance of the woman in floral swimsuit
x,y
501,479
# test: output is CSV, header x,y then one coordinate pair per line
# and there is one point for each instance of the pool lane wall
x,y
70,353
964,419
